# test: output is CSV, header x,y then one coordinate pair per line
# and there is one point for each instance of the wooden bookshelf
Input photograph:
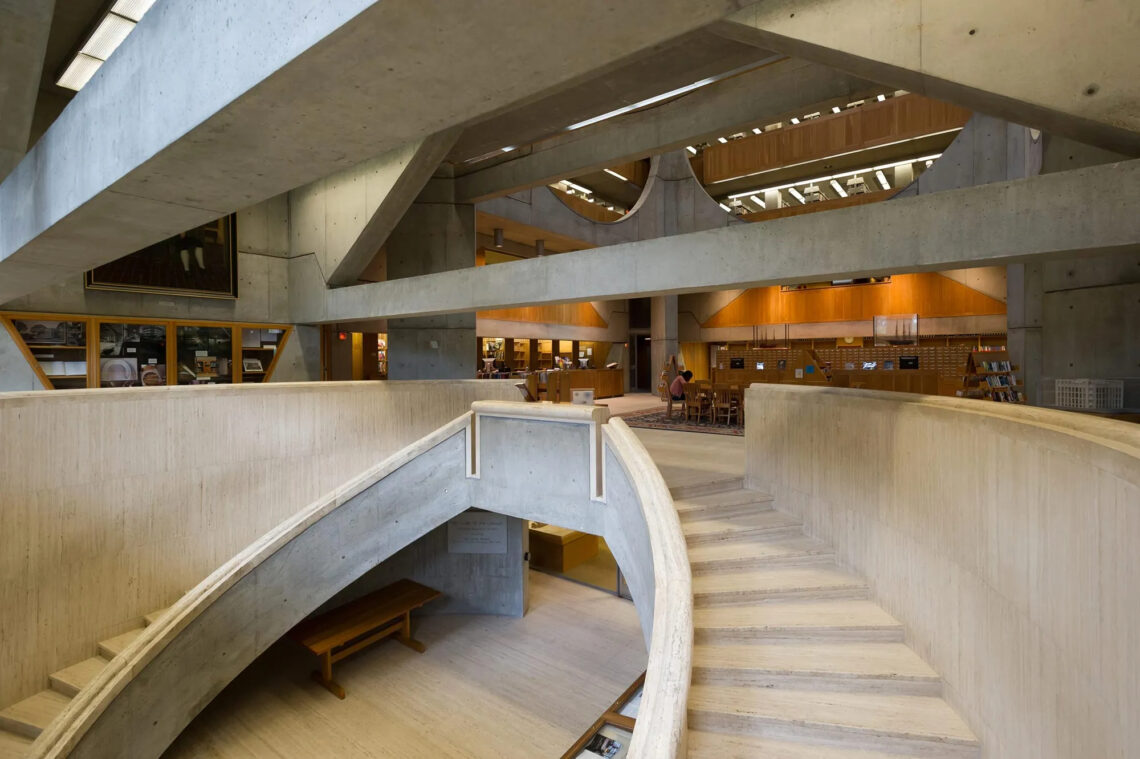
x,y
990,376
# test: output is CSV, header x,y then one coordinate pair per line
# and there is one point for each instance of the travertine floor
x,y
688,458
487,687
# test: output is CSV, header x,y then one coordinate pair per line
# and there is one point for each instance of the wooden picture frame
x,y
199,263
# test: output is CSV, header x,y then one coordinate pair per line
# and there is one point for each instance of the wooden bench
x,y
339,633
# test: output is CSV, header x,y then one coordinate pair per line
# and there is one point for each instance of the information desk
x,y
606,383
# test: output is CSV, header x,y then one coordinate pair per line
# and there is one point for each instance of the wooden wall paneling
x,y
897,118
577,314
926,293
696,358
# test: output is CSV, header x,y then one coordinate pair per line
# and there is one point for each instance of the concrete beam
x,y
1063,67
24,27
1005,222
267,96
771,93
344,219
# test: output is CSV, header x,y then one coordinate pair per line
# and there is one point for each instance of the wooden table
x,y
339,633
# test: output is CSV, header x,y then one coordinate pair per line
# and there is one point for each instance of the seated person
x,y
677,389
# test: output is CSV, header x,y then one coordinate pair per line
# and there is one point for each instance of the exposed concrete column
x,y
435,235
663,331
24,27
1024,296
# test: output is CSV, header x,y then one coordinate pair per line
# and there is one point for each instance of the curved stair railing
x,y
146,695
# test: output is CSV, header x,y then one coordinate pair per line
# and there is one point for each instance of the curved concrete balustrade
x,y
496,457
1003,538
114,503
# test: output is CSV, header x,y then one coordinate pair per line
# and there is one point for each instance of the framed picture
x,y
201,262
251,365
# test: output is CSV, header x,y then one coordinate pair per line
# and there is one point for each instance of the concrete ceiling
x,y
281,95
24,27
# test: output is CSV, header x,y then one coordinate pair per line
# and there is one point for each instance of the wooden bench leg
x,y
324,677
405,635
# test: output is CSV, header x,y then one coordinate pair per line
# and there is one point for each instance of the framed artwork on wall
x,y
201,262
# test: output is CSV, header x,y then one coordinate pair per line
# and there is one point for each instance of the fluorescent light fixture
x,y
929,163
132,9
796,194
508,148
110,33
578,187
757,130
881,98
835,109
672,93
839,189
795,120
844,175
79,72
758,201
691,149
882,179
726,208
613,173
721,140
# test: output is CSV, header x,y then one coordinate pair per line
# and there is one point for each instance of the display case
x,y
131,352
56,348
610,735
382,354
258,352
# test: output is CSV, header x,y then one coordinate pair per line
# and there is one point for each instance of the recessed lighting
x,y
796,194
110,33
132,9
691,149
726,208
795,120
578,187
756,199
508,148
838,189
721,140
79,72
881,98
882,179
757,130
613,173
835,109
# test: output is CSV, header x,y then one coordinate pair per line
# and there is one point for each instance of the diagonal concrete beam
x,y
345,218
24,27
265,96
1063,67
1049,215
769,92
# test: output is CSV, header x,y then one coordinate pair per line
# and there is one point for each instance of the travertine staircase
x,y
792,661
22,722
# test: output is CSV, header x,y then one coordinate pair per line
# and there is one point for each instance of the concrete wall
x,y
1002,537
162,485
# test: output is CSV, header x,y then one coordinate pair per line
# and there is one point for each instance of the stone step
x,y
726,504
853,667
797,621
112,647
764,525
871,721
30,716
713,484
70,680
13,746
150,619
782,551
778,583
728,746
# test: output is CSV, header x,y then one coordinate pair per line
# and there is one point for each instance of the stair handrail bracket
x,y
661,730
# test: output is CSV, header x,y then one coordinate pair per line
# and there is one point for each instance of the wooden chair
x,y
721,403
696,402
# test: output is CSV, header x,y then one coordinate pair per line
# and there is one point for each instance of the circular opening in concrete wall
x,y
607,195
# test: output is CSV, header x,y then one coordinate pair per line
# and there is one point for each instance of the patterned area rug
x,y
657,420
